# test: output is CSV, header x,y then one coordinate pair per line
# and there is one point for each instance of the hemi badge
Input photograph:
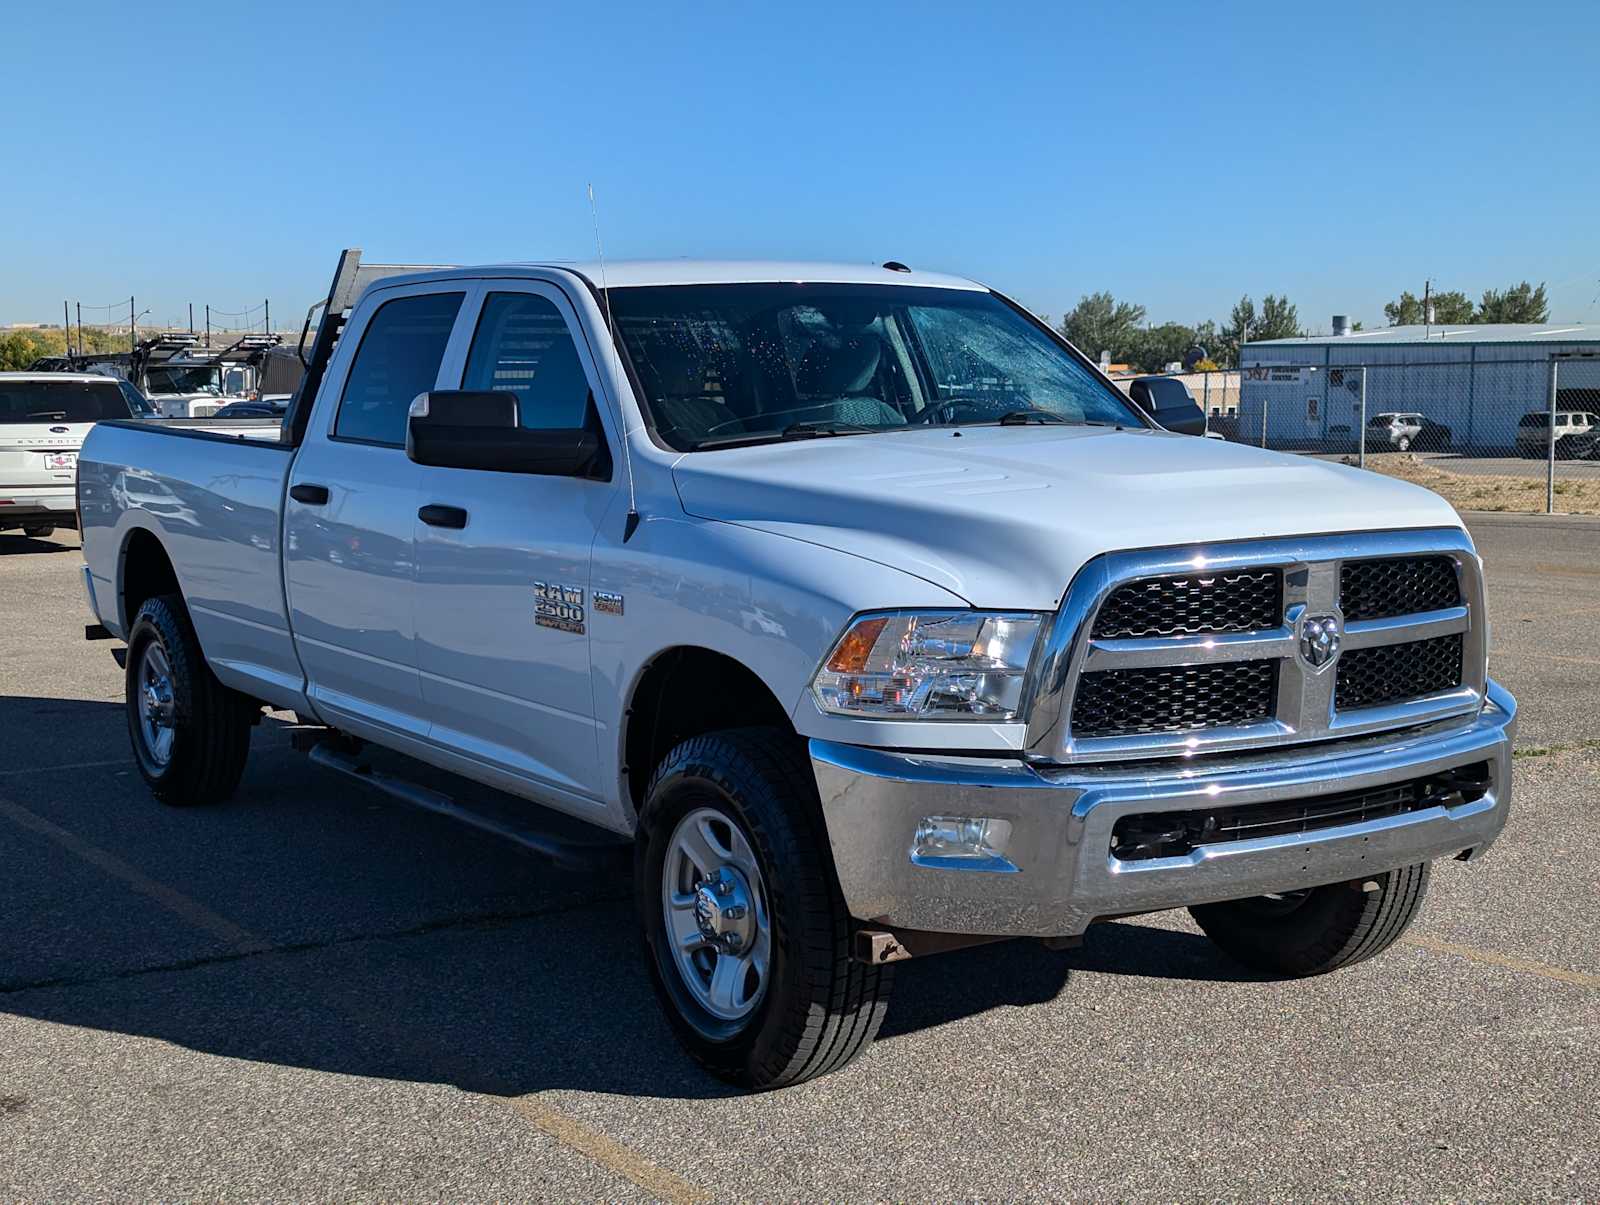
x,y
607,603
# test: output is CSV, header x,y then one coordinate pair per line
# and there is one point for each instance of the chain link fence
x,y
1491,426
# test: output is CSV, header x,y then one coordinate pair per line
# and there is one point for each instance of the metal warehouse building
x,y
1476,380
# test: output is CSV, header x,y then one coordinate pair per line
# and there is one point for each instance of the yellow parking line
x,y
77,765
174,901
607,1152
1504,961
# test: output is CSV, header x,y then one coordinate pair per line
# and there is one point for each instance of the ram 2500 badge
x,y
861,603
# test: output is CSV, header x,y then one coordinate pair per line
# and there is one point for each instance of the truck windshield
x,y
173,379
745,363
61,401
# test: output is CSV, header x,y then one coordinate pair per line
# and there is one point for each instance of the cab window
x,y
398,358
522,346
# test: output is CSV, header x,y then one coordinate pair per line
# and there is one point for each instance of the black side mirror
x,y
1169,403
460,429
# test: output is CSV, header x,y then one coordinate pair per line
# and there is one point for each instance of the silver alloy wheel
x,y
156,710
715,904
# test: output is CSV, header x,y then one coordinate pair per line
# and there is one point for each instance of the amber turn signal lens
x,y
851,655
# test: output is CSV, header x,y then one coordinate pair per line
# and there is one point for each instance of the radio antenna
x,y
632,521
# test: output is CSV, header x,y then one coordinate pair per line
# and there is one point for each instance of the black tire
x,y
209,723
820,1008
1403,443
38,531
1319,930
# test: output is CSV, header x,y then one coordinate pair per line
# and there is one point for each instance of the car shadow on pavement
x,y
311,923
14,543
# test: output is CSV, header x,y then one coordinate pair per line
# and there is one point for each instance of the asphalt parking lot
x,y
311,991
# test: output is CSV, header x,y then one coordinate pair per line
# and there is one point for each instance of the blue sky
x,y
1178,155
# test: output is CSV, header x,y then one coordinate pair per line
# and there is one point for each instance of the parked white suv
x,y
858,602
1533,430
43,420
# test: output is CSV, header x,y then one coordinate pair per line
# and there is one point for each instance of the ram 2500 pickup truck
x,y
861,603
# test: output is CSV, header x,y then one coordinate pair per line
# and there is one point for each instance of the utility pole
x,y
66,327
191,317
133,328
1427,308
80,328
267,329
208,326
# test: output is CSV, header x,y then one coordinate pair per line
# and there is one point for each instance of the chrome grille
x,y
1192,604
1121,702
1171,652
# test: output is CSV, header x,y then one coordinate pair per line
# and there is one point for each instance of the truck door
x,y
502,605
349,520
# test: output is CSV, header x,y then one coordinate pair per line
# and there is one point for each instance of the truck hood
x,y
1005,516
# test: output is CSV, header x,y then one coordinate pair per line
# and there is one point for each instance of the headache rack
x,y
350,279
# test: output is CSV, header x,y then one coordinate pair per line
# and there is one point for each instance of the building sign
x,y
1277,373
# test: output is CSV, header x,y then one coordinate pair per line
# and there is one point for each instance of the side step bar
x,y
604,856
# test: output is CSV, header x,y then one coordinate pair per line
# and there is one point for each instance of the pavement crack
x,y
306,947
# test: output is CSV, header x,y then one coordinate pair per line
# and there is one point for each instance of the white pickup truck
x,y
862,604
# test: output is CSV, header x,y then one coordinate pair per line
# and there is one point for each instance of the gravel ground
x,y
311,992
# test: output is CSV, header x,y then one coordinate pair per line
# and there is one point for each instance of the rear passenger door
x,y
502,604
350,517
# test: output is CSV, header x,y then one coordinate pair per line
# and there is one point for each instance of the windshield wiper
x,y
1020,418
813,430
57,414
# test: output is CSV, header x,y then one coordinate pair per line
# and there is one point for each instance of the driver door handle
x,y
311,495
435,515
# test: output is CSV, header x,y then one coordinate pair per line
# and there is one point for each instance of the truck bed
x,y
212,493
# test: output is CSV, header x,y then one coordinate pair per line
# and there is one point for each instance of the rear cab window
x,y
398,358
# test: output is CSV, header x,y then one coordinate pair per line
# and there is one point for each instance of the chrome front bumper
x,y
1062,874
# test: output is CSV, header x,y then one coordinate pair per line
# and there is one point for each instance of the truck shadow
x,y
14,543
310,923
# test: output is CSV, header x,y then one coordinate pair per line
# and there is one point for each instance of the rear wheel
x,y
747,934
1403,443
190,733
38,531
1319,929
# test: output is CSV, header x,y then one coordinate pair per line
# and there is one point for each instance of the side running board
x,y
601,854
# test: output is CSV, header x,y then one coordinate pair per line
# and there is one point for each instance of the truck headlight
x,y
934,665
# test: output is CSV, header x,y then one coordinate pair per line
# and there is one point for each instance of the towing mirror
x,y
461,429
1169,403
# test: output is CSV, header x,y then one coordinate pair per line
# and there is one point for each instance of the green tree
x,y
1279,319
1101,323
1152,348
1242,323
1520,303
1450,308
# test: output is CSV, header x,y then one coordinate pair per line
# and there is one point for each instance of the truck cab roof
x,y
620,274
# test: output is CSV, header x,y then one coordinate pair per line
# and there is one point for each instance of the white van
x,y
44,417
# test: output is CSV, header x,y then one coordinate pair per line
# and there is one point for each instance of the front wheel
x,y
747,935
1403,443
38,531
190,733
1319,929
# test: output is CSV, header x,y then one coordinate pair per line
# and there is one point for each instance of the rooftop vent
x,y
1341,324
